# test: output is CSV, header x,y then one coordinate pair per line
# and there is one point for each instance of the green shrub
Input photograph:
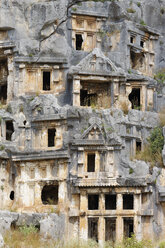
x,y
26,230
2,148
152,152
134,243
160,76
142,22
156,140
9,109
138,4
162,244
130,10
131,171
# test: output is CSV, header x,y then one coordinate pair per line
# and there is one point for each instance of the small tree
x,y
156,140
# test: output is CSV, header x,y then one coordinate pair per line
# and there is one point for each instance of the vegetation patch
x,y
142,22
152,152
130,10
131,171
9,109
162,117
124,107
160,76
19,239
162,244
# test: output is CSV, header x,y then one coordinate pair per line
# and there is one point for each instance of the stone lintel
x,y
49,118
35,59
40,156
90,13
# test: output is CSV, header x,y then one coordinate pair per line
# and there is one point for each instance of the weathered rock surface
x,y
1,241
53,226
79,88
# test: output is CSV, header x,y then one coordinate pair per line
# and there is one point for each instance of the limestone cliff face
x,y
81,91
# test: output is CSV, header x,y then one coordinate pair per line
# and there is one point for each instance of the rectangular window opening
x,y
9,130
138,146
93,202
93,228
46,80
128,227
51,137
87,99
128,201
132,39
110,229
110,202
79,41
3,93
134,98
49,195
3,80
142,43
137,60
91,162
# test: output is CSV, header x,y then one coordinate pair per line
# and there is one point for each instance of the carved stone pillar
x,y
83,217
101,231
137,218
76,91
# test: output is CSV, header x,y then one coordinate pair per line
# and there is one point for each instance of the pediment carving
x,y
96,63
94,132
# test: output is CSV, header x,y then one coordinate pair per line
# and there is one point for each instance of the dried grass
x,y
147,156
162,117
17,239
124,107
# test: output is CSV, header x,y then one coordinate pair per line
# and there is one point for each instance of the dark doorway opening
x,y
46,80
93,228
128,201
79,41
49,195
87,99
132,39
128,227
3,80
137,60
138,146
12,195
51,137
93,202
142,43
3,93
110,202
9,130
91,162
110,229
83,97
134,98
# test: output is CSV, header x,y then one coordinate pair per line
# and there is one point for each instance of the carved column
x,y
76,91
101,231
10,78
137,218
83,217
119,219
143,97
119,228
